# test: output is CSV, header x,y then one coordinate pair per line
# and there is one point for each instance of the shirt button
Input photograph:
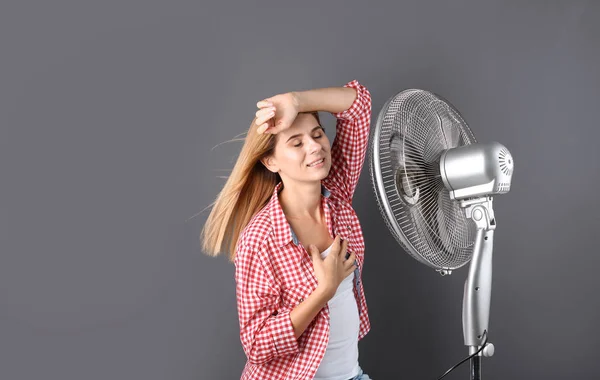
x,y
301,299
349,228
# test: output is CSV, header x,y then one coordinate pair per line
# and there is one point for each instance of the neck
x,y
302,201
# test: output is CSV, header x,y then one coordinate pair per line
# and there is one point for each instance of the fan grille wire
x,y
416,126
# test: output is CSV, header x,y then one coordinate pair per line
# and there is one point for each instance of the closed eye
x,y
316,137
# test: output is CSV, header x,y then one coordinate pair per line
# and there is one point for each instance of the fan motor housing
x,y
476,170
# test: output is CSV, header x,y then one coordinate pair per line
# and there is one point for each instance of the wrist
x,y
296,100
324,293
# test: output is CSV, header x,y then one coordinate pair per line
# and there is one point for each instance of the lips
x,y
316,161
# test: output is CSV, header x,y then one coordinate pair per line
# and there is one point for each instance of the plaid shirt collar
x,y
282,229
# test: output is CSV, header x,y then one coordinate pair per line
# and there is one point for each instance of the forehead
x,y
304,123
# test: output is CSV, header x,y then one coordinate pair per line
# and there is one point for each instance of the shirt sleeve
x,y
266,329
350,143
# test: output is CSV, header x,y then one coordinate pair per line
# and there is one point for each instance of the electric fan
x,y
433,183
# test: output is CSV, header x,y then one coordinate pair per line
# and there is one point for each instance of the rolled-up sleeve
x,y
266,329
350,143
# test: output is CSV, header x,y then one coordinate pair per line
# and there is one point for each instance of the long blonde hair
x,y
247,190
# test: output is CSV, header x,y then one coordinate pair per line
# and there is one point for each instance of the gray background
x,y
110,111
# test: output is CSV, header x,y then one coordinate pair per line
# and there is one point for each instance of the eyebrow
x,y
300,134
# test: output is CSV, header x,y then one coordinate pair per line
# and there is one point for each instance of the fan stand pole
x,y
478,286
475,364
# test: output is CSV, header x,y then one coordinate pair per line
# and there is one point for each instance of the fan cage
x,y
413,129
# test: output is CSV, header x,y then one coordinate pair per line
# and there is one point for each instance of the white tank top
x,y
341,357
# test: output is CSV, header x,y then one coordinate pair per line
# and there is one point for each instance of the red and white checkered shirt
x,y
274,272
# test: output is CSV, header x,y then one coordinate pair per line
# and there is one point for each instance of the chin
x,y
325,174
317,176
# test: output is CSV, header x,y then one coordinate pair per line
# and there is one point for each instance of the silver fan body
x,y
433,183
476,170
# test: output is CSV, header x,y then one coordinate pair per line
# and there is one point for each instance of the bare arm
x,y
330,99
303,314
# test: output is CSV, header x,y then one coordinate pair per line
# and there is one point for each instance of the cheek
x,y
292,157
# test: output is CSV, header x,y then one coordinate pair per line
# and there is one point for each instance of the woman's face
x,y
297,147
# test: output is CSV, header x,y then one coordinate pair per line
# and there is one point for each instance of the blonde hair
x,y
246,191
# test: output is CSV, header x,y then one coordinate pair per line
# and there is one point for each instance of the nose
x,y
314,146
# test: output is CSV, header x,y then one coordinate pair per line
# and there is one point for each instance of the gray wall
x,y
110,110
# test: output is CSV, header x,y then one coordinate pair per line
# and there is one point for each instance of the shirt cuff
x,y
283,335
358,103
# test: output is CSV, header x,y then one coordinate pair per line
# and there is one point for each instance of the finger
x,y
264,111
336,242
265,127
343,248
348,271
263,124
350,255
261,128
269,128
350,261
263,117
264,103
312,249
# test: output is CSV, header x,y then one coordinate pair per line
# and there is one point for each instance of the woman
x,y
285,214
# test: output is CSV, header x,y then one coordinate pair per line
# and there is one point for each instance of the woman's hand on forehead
x,y
276,113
